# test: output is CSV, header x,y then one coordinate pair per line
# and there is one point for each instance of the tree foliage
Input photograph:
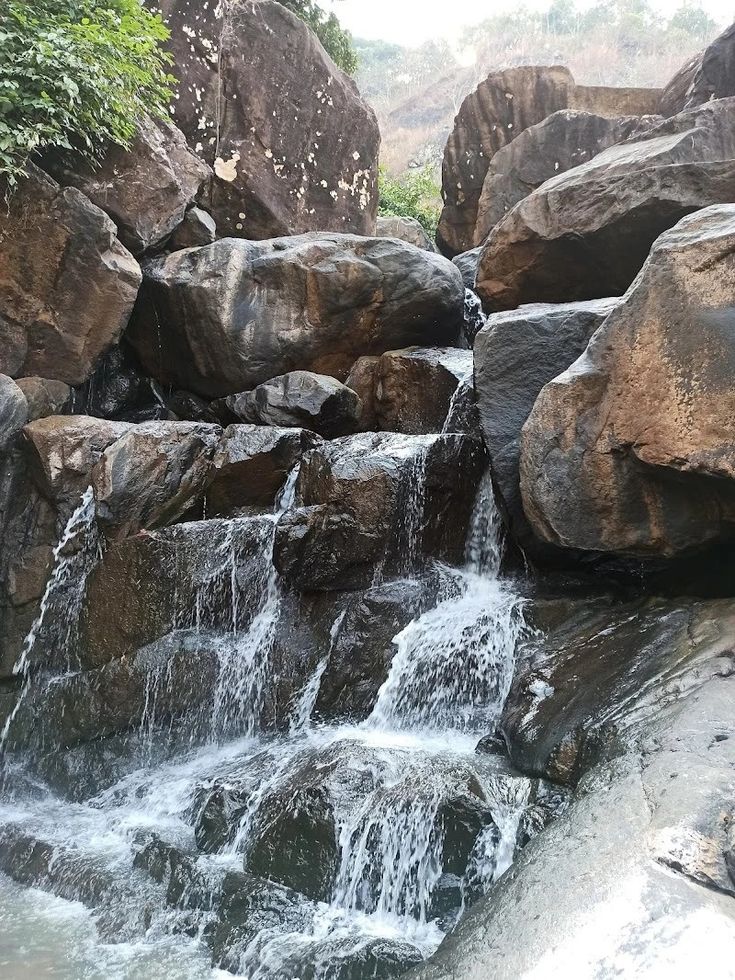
x,y
336,40
76,75
415,194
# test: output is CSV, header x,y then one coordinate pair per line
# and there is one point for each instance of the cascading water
x,y
411,820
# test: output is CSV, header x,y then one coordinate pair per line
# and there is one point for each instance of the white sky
x,y
411,22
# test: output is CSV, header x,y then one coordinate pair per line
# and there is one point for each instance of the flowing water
x,y
385,830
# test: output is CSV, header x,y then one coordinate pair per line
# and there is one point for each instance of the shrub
x,y
77,75
414,194
337,42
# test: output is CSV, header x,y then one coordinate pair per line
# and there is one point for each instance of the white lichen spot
x,y
227,169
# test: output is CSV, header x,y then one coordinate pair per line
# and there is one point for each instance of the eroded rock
x,y
630,450
587,233
68,287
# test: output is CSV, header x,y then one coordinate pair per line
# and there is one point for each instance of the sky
x,y
411,22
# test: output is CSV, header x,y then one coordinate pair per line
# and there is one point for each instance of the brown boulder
x,y
225,318
711,75
414,388
501,107
293,146
67,286
147,189
407,229
586,233
632,449
44,397
251,465
562,141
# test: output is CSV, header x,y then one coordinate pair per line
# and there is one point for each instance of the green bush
x,y
77,75
337,42
415,194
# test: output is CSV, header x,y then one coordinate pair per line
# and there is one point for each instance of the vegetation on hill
x,y
336,40
76,74
414,194
417,91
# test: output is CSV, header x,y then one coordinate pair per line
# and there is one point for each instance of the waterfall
x,y
70,569
395,787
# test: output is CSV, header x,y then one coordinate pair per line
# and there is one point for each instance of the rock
x,y
293,146
13,412
68,284
407,229
633,699
296,842
358,514
415,388
63,451
44,397
251,465
563,140
674,96
206,575
301,399
466,262
147,189
118,389
362,647
630,450
586,233
198,228
516,354
228,317
362,380
499,109
711,75
152,475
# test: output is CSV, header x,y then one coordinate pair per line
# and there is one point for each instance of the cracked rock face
x,y
631,450
293,146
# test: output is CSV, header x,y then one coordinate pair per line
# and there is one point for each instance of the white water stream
x,y
393,785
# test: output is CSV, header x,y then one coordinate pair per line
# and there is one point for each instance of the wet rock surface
x,y
340,297
354,506
586,233
52,240
301,399
649,735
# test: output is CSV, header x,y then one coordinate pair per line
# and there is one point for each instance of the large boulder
x,y
564,140
301,399
293,146
709,76
251,465
414,388
44,397
147,189
516,354
586,233
633,701
225,318
631,449
68,284
501,107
